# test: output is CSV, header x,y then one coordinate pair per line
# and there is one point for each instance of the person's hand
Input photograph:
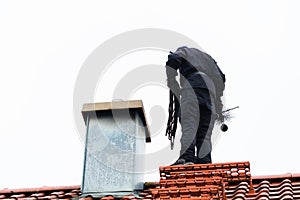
x,y
220,118
219,114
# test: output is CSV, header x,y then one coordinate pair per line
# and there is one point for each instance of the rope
x,y
173,118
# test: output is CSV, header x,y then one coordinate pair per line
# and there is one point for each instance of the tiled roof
x,y
64,192
208,181
224,181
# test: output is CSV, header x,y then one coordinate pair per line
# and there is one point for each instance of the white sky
x,y
43,45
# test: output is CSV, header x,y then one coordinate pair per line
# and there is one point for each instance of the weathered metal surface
x,y
115,145
112,105
132,106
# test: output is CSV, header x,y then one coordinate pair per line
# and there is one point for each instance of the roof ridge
x,y
39,189
278,176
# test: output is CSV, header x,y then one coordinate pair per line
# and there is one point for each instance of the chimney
x,y
114,148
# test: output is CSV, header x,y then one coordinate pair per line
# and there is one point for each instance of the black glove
x,y
219,114
220,118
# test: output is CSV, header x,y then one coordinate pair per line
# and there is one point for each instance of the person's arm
x,y
219,90
172,65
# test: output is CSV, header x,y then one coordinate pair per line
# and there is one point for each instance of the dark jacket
x,y
197,70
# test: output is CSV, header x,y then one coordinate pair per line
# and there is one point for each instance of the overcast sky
x,y
43,45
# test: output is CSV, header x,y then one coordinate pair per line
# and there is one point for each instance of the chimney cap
x,y
118,105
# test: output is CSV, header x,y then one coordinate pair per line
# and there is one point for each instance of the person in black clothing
x,y
201,87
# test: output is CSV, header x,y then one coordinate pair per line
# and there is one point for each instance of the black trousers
x,y
197,118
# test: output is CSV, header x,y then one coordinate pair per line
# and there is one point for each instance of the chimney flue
x,y
114,148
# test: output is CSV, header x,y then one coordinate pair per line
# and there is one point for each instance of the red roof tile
x,y
209,181
64,192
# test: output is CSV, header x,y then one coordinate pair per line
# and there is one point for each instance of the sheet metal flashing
x,y
118,105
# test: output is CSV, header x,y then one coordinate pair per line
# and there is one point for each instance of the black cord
x,y
174,106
